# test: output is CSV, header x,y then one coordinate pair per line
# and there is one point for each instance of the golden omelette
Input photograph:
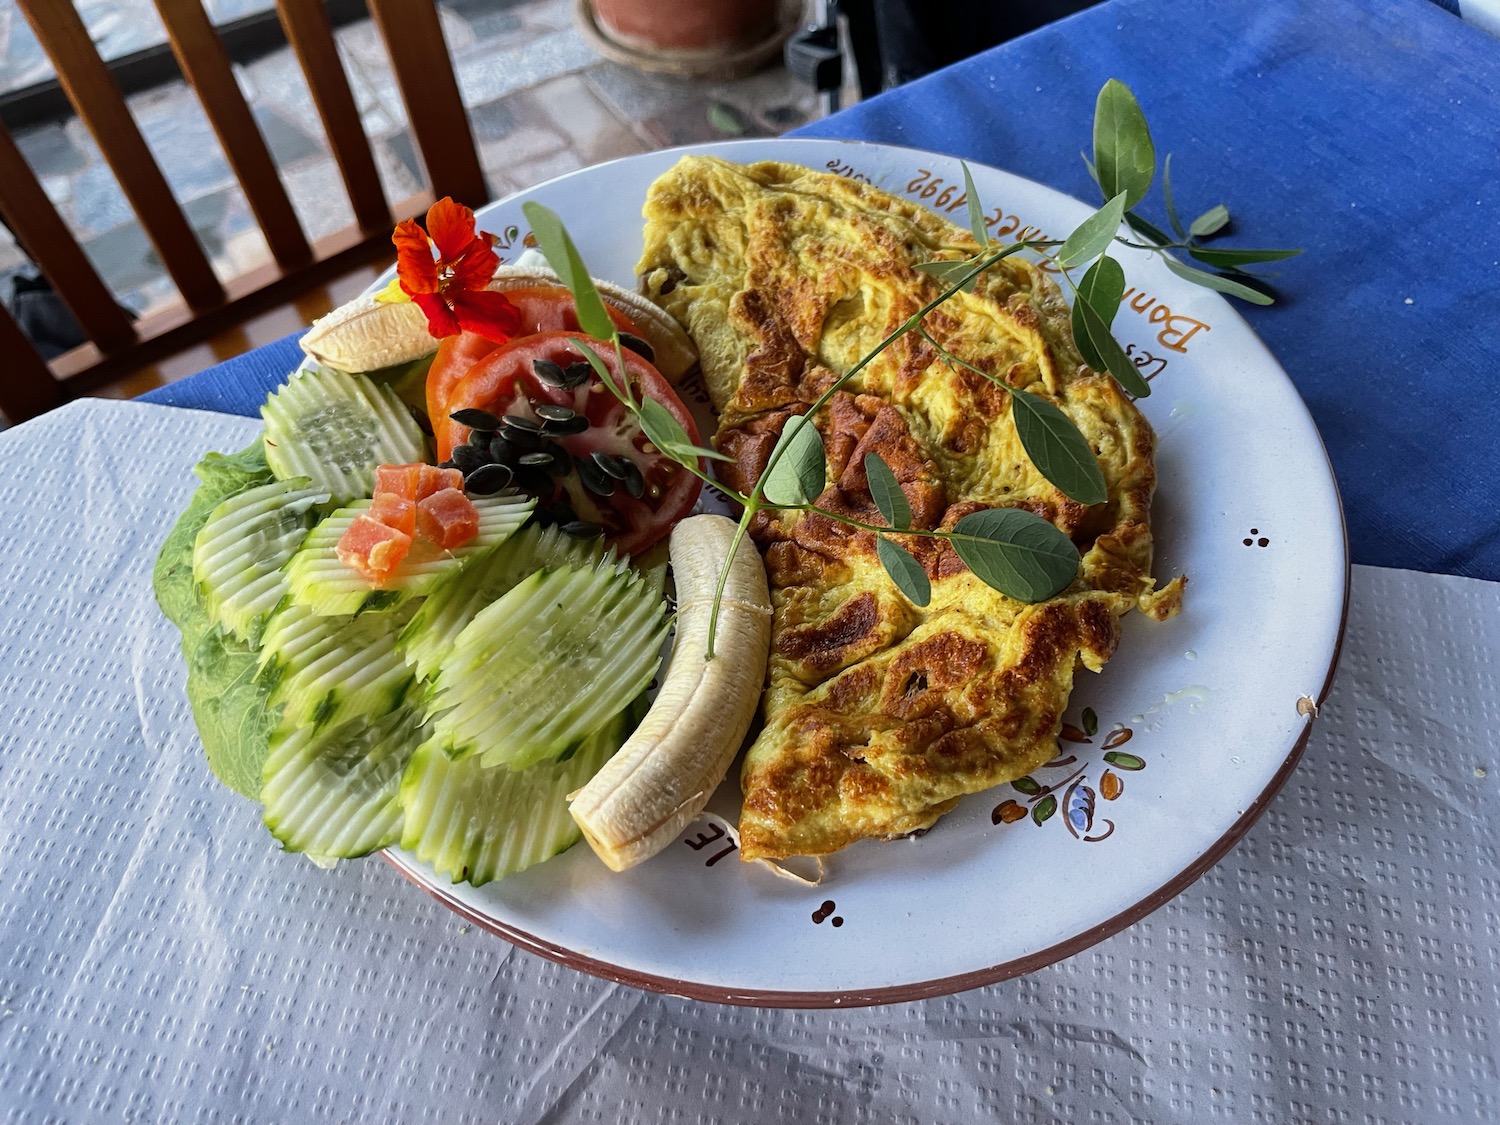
x,y
880,715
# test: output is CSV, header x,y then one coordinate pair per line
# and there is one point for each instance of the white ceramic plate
x,y
1217,701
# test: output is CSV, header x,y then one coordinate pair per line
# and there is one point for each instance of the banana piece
x,y
667,770
366,335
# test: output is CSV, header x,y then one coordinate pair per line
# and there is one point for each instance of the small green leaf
x,y
553,239
1026,785
1116,362
1090,722
1101,289
798,468
977,228
1166,191
905,571
661,429
1123,153
1215,281
1233,259
1018,553
1121,760
1094,235
1044,809
950,272
726,119
885,490
1210,222
1146,229
1056,448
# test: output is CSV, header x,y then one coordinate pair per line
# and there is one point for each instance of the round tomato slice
x,y
575,446
455,355
550,308
543,308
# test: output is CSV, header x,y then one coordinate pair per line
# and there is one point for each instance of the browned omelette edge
x,y
940,986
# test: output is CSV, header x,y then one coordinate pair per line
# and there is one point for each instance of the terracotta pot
x,y
687,25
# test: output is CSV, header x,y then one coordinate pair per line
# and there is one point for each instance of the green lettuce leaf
x,y
229,704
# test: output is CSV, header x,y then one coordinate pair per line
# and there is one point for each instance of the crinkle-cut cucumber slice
x,y
335,791
449,608
318,580
545,664
474,824
323,670
239,553
335,428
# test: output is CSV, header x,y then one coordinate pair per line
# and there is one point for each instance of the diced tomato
x,y
448,518
395,511
435,479
398,480
372,548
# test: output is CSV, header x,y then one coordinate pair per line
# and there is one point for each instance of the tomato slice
x,y
543,308
455,355
606,473
549,308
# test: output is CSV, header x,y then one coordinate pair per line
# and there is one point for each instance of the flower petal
x,y
451,226
474,268
414,265
491,315
440,319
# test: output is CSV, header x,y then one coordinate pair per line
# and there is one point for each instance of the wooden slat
x,y
310,33
48,242
98,100
172,329
204,61
424,71
26,385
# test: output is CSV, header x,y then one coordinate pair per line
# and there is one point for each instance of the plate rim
x,y
974,978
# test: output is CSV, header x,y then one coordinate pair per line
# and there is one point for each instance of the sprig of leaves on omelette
x,y
1024,556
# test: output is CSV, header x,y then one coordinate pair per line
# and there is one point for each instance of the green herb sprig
x,y
1012,550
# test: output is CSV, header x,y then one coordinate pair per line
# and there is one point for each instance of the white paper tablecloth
x,y
162,961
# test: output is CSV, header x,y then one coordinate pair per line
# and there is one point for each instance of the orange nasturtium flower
x,y
451,289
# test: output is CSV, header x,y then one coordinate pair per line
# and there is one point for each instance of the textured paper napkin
x,y
162,961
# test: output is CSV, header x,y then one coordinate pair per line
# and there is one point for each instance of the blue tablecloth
x,y
1366,131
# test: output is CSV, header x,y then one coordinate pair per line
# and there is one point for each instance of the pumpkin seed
x,y
549,372
487,480
476,418
639,346
582,529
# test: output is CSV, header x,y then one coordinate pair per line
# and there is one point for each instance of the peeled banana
x,y
667,770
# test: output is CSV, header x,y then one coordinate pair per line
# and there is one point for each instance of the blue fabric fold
x,y
1367,132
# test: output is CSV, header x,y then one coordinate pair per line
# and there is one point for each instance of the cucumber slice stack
x,y
239,554
497,696
450,710
335,428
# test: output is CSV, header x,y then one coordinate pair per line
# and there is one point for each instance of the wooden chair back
x,y
424,74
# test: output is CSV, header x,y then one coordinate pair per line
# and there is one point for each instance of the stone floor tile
x,y
182,141
126,260
395,175
486,75
276,81
49,150
486,20
554,14
525,144
319,197
97,205
521,176
594,131
288,143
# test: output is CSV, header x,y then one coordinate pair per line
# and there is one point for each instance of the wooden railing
x,y
117,344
